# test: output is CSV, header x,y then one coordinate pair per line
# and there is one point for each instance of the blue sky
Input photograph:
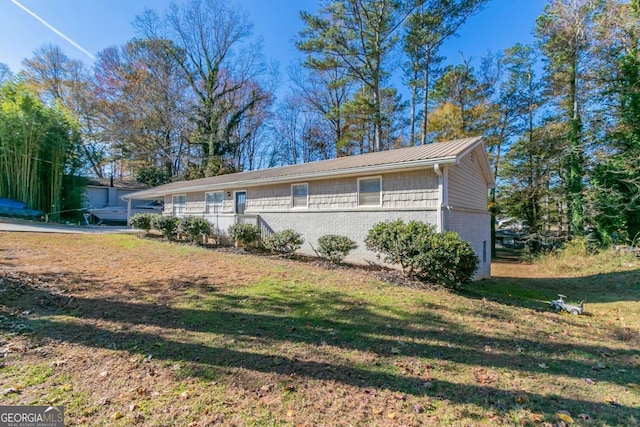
x,y
97,24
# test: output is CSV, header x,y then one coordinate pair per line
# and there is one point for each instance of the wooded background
x,y
192,96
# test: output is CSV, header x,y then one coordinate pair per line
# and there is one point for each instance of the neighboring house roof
x,y
117,183
442,153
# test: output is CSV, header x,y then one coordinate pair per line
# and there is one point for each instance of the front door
x,y
241,202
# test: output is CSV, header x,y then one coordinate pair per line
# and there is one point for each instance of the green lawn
x,y
200,337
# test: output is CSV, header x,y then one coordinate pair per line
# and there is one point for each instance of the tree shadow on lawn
x,y
536,293
259,325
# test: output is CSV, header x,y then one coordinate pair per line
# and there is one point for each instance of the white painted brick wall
x,y
475,228
354,224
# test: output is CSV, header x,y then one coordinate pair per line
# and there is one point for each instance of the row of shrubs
x,y
192,229
332,247
418,248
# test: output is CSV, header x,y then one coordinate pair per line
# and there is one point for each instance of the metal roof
x,y
117,183
401,158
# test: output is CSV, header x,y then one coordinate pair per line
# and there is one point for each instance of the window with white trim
x,y
179,203
484,251
214,201
370,191
300,195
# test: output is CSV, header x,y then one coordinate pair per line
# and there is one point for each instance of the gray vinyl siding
x,y
467,185
270,197
339,194
401,190
412,189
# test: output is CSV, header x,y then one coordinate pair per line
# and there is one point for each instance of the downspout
x,y
443,196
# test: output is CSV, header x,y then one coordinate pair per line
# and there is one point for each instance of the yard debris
x,y
12,390
536,418
611,401
484,377
521,398
565,416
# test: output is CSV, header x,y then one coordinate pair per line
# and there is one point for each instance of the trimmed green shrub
x,y
167,225
335,247
194,228
244,233
285,241
423,253
142,221
398,242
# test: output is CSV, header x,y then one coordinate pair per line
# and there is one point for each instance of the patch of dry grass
x,y
576,259
126,331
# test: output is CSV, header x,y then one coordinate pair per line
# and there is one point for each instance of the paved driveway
x,y
41,227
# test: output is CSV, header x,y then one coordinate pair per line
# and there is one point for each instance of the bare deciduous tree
x,y
212,46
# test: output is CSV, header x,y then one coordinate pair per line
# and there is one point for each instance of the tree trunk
x,y
574,166
425,99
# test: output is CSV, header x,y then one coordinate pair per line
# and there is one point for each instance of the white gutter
x,y
443,195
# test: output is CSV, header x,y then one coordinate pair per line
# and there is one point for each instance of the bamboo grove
x,y
193,95
37,148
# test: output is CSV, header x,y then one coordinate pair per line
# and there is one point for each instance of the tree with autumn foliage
x,y
211,44
143,106
426,29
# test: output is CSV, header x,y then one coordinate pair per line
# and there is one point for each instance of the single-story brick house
x,y
445,184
